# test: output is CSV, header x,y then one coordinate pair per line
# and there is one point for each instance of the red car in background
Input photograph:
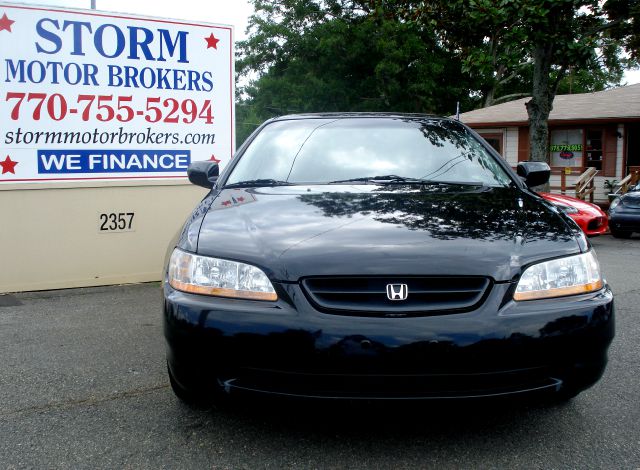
x,y
591,219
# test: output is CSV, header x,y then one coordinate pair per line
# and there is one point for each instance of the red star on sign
x,y
212,42
8,165
5,23
226,203
240,199
214,159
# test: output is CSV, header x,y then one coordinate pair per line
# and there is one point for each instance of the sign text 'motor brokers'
x,y
56,39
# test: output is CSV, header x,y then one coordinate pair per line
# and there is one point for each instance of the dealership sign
x,y
96,96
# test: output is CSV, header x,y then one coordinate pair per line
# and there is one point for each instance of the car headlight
x,y
572,275
219,277
567,209
614,204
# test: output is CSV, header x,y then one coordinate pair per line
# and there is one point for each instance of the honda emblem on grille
x,y
397,291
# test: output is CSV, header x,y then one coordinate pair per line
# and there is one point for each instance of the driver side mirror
x,y
203,173
534,173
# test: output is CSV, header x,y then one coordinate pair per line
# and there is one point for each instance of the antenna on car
x,y
457,110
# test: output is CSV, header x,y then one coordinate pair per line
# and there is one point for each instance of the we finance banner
x,y
88,95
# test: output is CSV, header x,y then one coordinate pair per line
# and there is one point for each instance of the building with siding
x,y
600,130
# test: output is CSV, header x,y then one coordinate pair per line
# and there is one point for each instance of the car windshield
x,y
392,150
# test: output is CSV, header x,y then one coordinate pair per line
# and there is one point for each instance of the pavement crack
x,y
84,401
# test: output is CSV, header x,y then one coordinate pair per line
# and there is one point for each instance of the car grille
x,y
595,223
417,386
367,296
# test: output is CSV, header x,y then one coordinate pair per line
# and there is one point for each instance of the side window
x,y
594,149
495,140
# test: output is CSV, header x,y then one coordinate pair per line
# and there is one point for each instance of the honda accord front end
x,y
380,257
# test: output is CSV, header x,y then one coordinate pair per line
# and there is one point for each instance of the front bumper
x,y
625,221
289,348
595,226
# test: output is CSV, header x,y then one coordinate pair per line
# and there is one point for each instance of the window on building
x,y
566,147
594,149
495,140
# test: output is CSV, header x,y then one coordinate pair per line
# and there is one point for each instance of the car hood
x,y
296,231
631,198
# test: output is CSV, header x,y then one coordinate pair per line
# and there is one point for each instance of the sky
x,y
229,12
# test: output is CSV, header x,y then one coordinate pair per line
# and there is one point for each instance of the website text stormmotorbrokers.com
x,y
122,137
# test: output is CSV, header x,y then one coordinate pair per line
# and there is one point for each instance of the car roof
x,y
351,115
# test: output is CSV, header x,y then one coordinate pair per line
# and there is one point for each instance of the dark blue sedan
x,y
374,256
624,214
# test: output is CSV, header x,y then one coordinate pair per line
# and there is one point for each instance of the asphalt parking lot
x,y
83,385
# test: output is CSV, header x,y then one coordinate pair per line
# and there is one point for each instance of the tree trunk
x,y
488,99
540,105
500,71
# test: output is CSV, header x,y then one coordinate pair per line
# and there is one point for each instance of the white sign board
x,y
88,95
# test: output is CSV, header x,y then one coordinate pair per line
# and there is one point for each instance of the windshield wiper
x,y
395,179
379,179
258,182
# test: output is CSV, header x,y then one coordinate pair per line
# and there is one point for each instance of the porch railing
x,y
584,186
623,185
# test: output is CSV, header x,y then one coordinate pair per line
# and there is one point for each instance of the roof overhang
x,y
555,122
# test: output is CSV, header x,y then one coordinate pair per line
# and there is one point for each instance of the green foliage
x,y
498,40
312,56
589,79
625,18
424,55
610,185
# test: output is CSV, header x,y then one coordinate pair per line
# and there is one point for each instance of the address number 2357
x,y
116,222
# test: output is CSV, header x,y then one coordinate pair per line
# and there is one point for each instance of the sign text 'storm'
x,y
73,38
138,39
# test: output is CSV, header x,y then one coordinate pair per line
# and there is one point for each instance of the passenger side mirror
x,y
534,173
203,173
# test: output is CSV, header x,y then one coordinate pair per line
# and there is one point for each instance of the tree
x,y
500,40
424,55
321,56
